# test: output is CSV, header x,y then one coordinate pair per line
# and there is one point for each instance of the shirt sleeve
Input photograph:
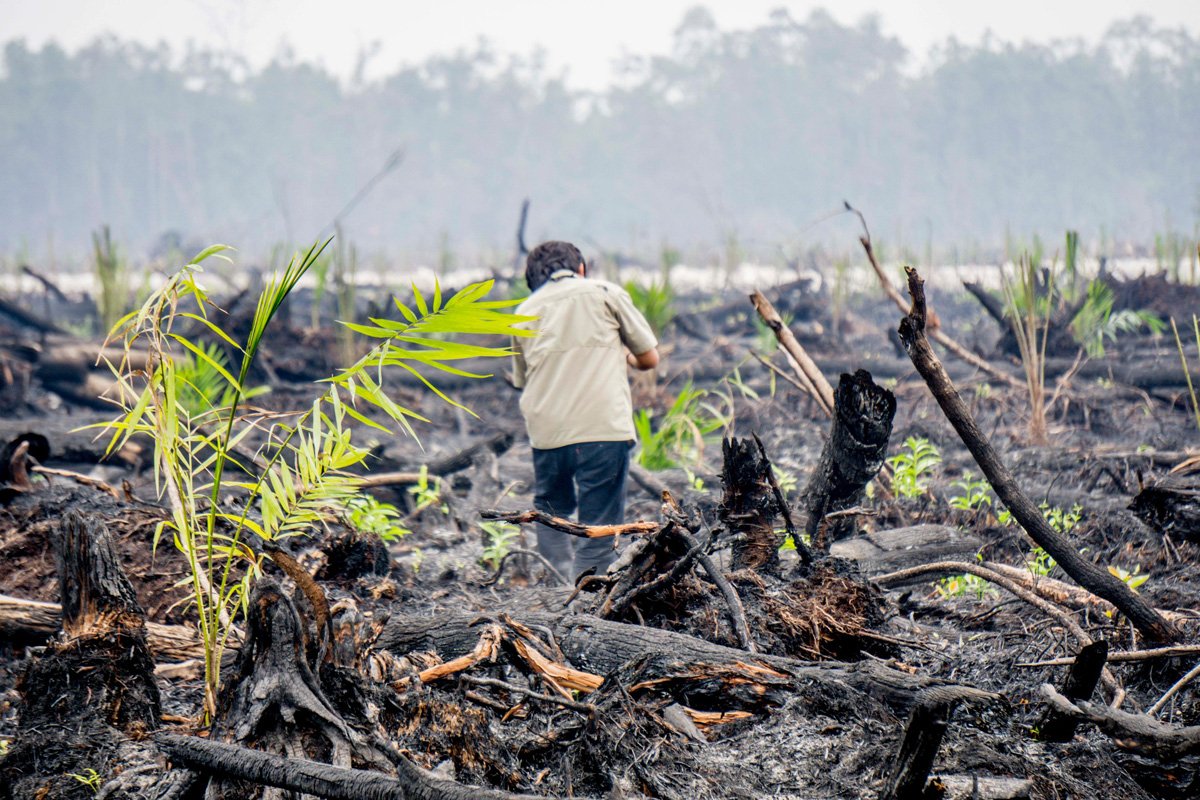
x,y
634,330
519,366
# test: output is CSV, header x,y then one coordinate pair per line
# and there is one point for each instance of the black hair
x,y
548,258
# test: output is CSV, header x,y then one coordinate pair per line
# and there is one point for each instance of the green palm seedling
x,y
298,477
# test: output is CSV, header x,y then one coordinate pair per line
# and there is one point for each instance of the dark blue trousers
x,y
591,477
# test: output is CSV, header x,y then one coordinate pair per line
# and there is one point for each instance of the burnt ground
x,y
814,737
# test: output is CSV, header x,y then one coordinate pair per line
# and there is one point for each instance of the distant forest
x,y
748,135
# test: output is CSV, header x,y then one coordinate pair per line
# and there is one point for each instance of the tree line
x,y
736,134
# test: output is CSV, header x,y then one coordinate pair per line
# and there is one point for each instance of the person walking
x,y
575,398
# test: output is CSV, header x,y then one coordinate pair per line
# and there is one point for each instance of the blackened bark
x,y
1084,572
855,450
94,685
748,507
1080,683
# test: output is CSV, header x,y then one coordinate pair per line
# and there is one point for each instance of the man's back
x,y
573,372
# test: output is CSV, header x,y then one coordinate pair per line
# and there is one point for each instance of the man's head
x,y
548,258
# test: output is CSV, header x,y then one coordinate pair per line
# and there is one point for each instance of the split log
x,y
94,686
854,452
1084,572
1079,685
601,646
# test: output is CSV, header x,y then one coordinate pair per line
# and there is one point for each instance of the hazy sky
x,y
582,36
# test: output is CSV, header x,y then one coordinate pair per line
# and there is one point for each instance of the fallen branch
x,y
1138,733
1174,690
1079,684
939,335
1128,655
1045,606
805,367
314,778
1082,571
569,527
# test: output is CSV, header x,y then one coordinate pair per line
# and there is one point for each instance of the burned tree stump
x,y
93,691
748,507
854,451
1080,684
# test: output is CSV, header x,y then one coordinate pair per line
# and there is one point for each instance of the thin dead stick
x,y
390,479
737,611
1087,574
1174,690
79,478
991,576
575,705
1128,655
569,527
807,368
554,573
808,390
939,335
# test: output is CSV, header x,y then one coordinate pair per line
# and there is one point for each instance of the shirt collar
x,y
563,273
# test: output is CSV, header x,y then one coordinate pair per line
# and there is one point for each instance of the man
x,y
576,400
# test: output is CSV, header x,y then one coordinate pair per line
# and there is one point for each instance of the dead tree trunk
x,y
1084,572
94,686
854,451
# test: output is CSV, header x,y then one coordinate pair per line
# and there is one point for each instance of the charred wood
x,y
94,685
854,451
1079,685
1085,573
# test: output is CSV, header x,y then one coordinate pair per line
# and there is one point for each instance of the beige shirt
x,y
573,372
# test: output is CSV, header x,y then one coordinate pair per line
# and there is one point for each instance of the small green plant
x,y
963,585
303,475
201,383
1062,521
656,302
1040,562
367,514
976,493
1187,373
500,536
1028,311
1096,322
112,278
427,492
912,467
1133,579
89,778
680,436
786,479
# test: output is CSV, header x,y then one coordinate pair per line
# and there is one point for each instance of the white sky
x,y
583,37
